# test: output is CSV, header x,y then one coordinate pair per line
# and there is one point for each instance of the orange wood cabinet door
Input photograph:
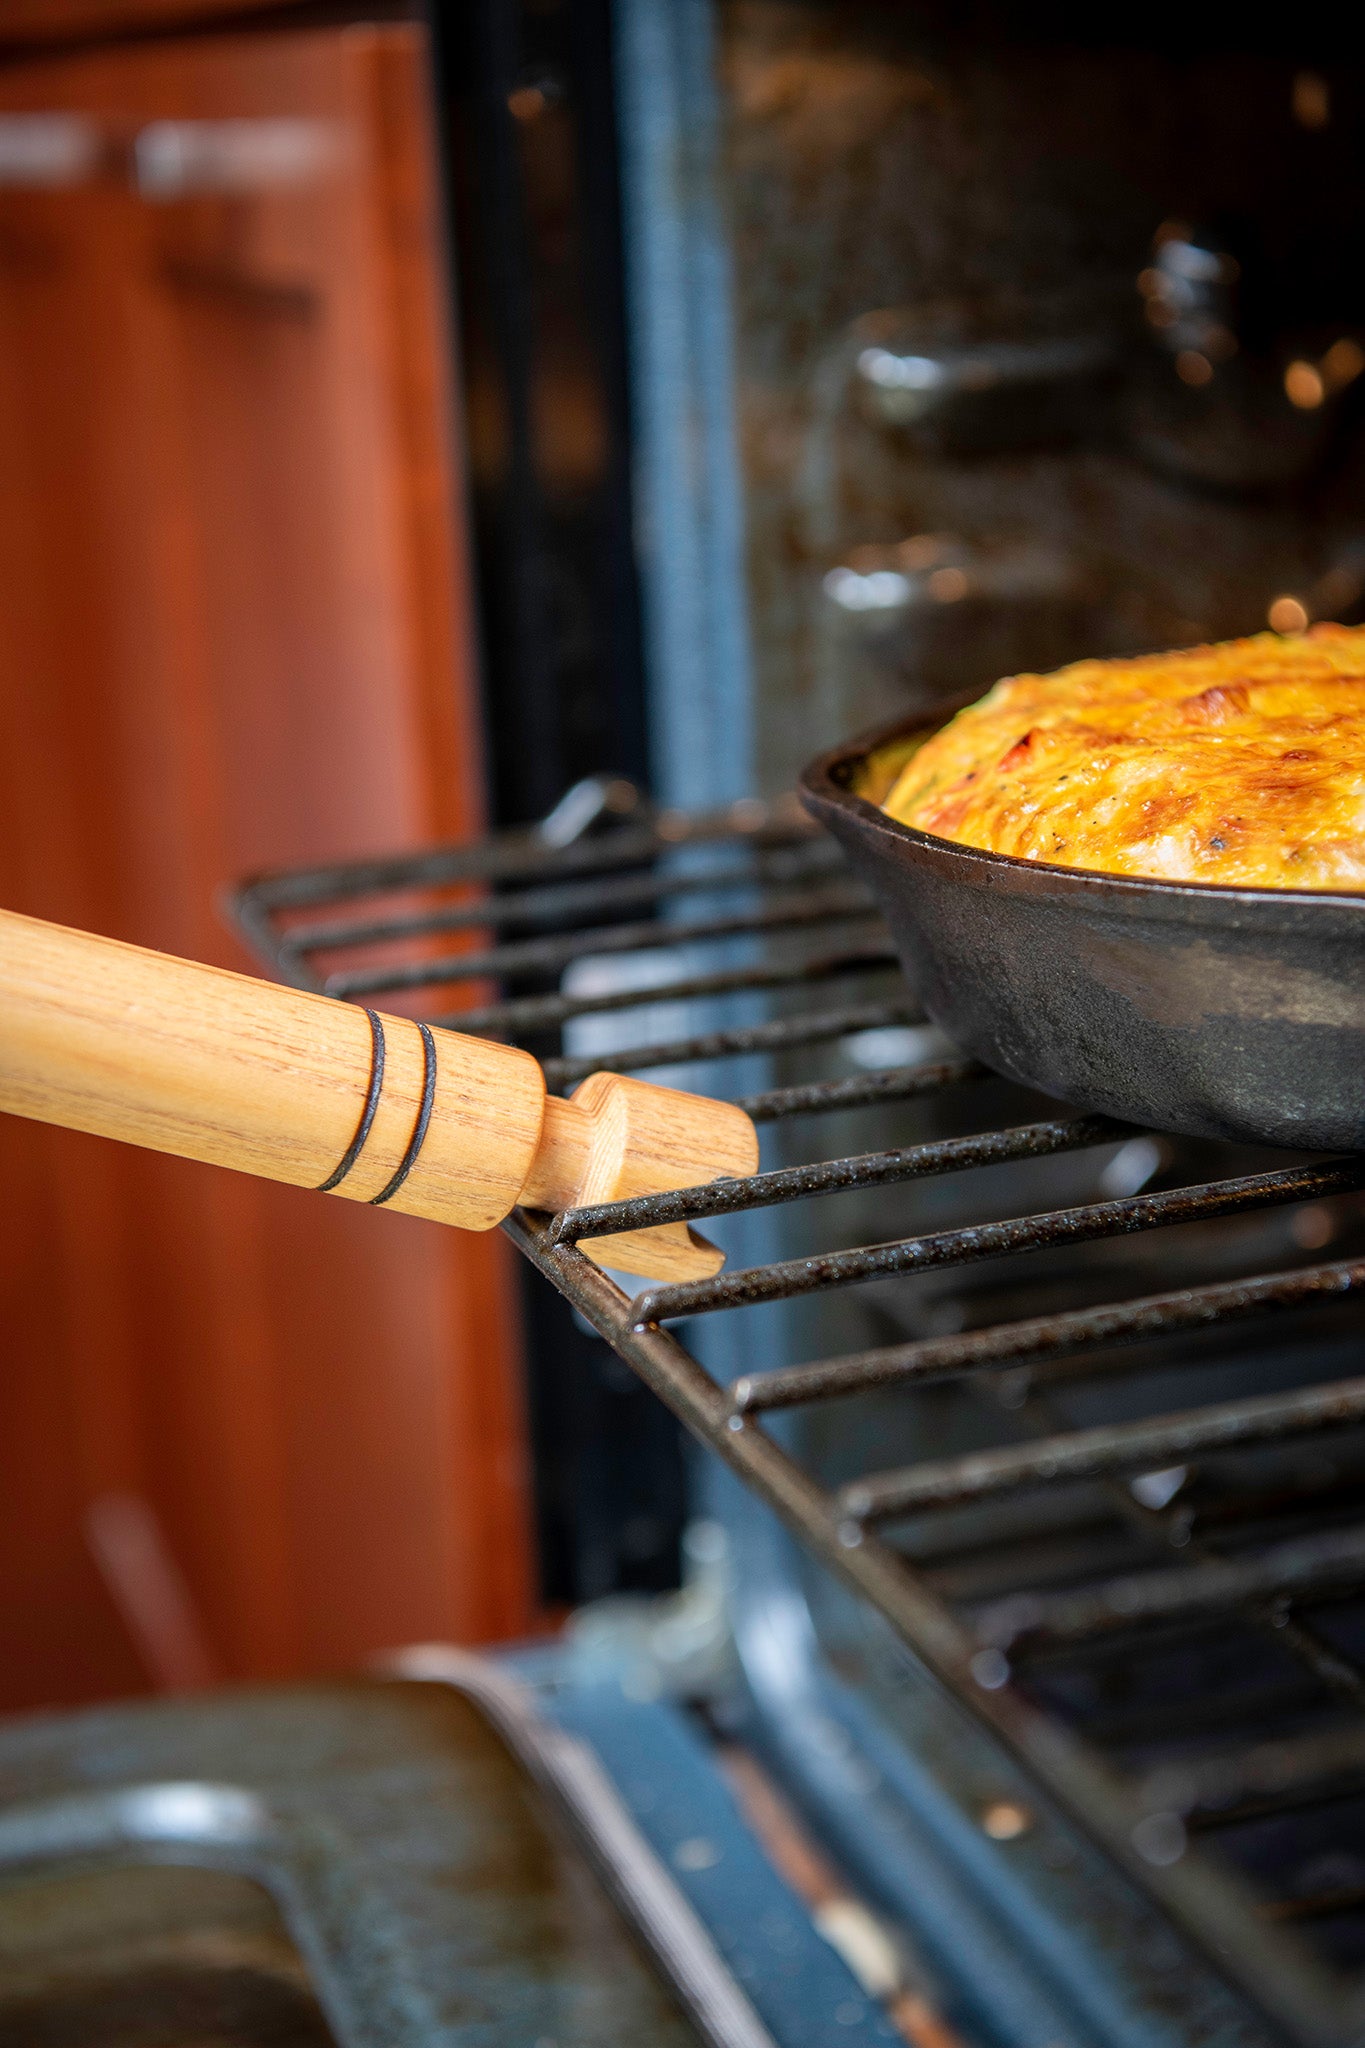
x,y
243,1431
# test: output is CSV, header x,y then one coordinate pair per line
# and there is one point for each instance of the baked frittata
x,y
1240,763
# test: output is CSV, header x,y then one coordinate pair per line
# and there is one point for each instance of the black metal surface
x,y
1225,1606
1228,1013
523,106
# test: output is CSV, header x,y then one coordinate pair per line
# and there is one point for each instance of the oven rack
x,y
782,934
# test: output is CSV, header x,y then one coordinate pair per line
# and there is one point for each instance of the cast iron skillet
x,y
1223,1012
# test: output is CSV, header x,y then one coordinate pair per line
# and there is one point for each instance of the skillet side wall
x,y
1214,1014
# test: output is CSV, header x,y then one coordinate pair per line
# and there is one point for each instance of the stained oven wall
x,y
920,180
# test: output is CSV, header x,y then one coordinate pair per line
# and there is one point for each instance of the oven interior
x,y
1046,340
1065,1418
955,342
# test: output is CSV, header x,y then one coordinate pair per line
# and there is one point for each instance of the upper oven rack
x,y
523,907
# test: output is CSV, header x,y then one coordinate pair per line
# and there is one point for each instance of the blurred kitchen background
x,y
404,418
244,1434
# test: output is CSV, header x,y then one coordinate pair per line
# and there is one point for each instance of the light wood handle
x,y
189,1059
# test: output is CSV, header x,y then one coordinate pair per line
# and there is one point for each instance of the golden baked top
x,y
1241,763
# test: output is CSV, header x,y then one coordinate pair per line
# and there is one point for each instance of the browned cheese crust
x,y
1240,763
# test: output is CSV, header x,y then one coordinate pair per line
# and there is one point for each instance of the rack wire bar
x,y
1164,1823
538,1013
868,1169
1317,1565
1117,1447
525,852
544,955
1228,1787
1044,1337
859,1091
777,1035
1323,1905
561,901
786,1279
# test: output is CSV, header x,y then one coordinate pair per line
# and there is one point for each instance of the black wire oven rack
x,y
1233,1520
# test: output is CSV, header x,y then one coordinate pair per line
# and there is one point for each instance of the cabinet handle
x,y
190,159
50,152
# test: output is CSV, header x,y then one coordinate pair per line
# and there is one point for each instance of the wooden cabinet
x,y
243,1431
27,23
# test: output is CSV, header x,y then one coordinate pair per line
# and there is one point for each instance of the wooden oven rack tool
x,y
297,1087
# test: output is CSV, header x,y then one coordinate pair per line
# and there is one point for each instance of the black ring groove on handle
x,y
409,1159
357,1144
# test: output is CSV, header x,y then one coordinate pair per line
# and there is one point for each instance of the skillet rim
x,y
818,786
